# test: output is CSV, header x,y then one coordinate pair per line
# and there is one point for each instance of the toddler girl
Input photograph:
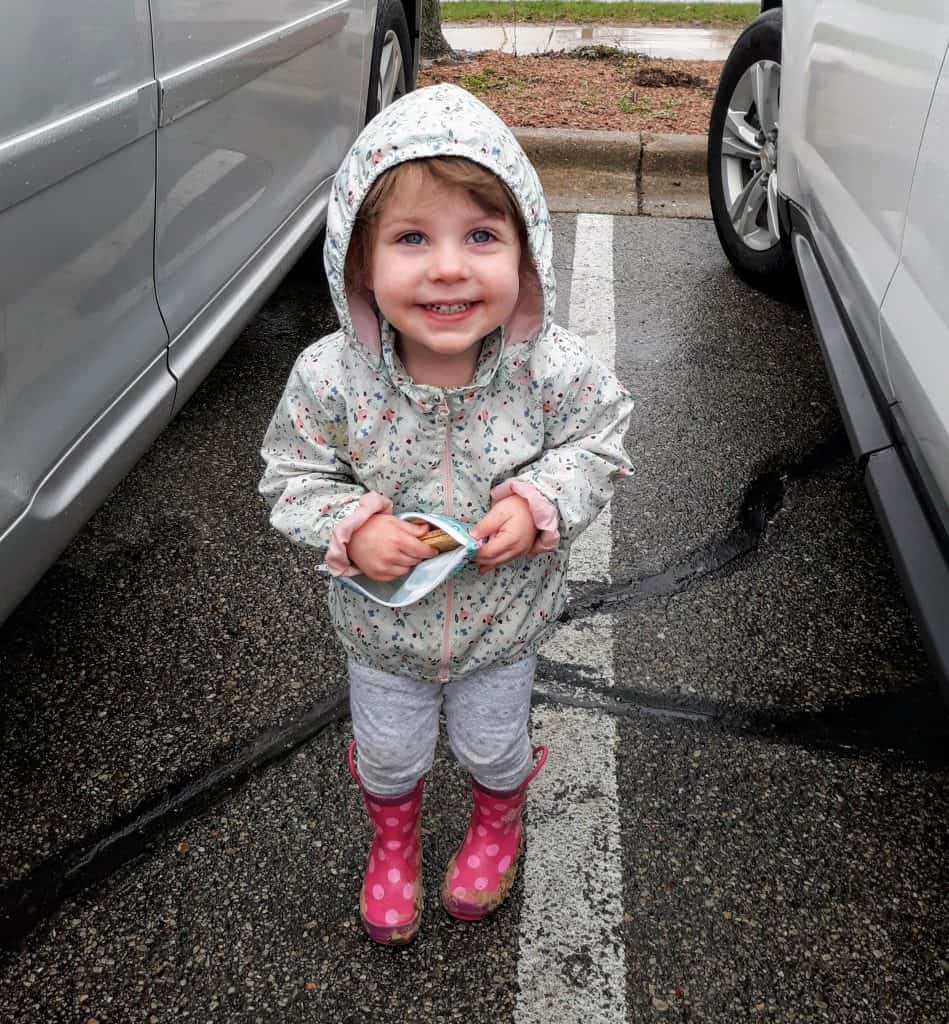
x,y
447,388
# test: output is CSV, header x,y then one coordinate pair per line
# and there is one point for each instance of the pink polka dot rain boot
x,y
390,903
481,873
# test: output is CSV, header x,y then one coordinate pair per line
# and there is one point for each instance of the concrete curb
x,y
674,156
620,172
581,150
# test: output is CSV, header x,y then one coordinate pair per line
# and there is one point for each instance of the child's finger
x,y
400,567
416,527
495,552
488,551
416,549
495,563
403,542
491,523
387,574
501,539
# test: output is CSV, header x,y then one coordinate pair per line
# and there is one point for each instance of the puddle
x,y
675,43
761,501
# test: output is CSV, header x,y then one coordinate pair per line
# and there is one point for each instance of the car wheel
x,y
742,158
390,75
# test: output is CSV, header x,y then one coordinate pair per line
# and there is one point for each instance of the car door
x,y
915,315
260,100
856,84
82,343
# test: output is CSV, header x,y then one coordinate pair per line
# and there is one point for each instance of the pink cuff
x,y
544,513
337,558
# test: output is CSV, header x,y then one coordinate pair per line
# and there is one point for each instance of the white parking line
x,y
571,963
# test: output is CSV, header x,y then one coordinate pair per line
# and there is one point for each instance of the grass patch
x,y
709,15
485,81
634,105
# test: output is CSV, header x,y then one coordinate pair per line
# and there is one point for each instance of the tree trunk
x,y
434,44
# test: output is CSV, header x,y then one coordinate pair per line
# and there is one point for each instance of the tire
x,y
742,157
391,71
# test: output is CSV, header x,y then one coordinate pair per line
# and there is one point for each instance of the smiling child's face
x,y
444,273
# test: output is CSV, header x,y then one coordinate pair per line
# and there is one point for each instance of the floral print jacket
x,y
353,434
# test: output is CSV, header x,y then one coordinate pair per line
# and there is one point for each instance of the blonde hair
x,y
481,185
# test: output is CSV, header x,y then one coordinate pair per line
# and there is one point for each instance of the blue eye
x,y
411,238
481,235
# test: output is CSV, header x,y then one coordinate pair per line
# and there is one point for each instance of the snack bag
x,y
449,537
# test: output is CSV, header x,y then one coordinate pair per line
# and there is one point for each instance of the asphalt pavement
x,y
182,840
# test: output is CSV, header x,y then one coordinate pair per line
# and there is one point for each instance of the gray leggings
x,y
395,722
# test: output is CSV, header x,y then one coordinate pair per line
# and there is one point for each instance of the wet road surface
x,y
181,839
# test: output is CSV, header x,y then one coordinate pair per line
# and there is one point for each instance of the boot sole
x,y
402,935
384,935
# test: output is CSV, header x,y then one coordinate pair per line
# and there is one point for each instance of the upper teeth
x,y
455,307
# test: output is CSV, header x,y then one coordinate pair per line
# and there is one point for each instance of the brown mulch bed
x,y
595,88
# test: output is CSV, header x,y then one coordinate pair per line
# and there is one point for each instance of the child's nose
x,y
449,263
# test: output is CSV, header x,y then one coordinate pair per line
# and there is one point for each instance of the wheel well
x,y
770,5
413,16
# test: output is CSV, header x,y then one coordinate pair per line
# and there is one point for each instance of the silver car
x,y
162,165
827,164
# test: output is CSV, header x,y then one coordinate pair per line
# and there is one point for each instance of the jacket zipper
x,y
445,667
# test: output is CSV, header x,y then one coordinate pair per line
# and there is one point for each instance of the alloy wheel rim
x,y
750,156
391,71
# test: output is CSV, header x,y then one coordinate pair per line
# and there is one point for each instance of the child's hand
x,y
385,548
510,526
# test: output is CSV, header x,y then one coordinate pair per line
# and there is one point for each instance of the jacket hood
x,y
440,120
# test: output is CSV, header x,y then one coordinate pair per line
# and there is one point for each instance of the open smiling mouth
x,y
448,308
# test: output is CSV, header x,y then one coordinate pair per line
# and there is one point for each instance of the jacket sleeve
x,y
308,481
586,414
